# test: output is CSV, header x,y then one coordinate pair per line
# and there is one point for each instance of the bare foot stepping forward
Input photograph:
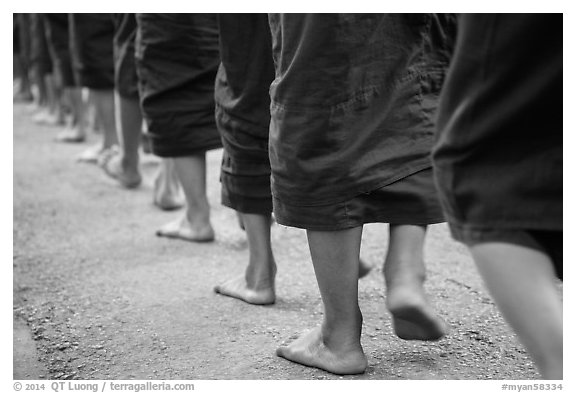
x,y
239,289
310,350
412,317
183,230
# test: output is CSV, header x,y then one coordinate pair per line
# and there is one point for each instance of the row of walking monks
x,y
330,122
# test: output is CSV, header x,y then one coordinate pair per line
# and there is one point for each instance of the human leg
x,y
66,91
42,89
50,109
130,132
195,224
167,190
76,130
521,280
54,93
42,115
91,49
24,93
124,166
256,285
102,103
335,345
22,57
404,274
103,100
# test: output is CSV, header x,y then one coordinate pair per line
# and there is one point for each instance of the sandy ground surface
x,y
96,295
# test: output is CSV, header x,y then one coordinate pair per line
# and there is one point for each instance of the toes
x,y
226,291
286,352
163,233
170,229
280,351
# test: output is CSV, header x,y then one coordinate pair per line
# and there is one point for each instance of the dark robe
x,y
177,58
243,111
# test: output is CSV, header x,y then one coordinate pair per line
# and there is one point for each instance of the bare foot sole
x,y
237,288
112,166
310,350
181,229
414,319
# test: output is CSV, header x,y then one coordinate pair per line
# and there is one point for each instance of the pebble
x,y
64,346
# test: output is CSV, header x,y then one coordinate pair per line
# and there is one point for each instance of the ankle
x,y
198,218
129,164
197,211
402,277
261,274
342,332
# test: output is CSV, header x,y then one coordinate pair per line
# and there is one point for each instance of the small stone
x,y
63,346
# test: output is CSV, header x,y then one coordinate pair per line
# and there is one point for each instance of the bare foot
x,y
168,194
23,96
44,116
92,154
412,317
71,135
183,229
238,288
363,269
311,350
112,166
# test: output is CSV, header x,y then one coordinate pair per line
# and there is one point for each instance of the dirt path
x,y
103,298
